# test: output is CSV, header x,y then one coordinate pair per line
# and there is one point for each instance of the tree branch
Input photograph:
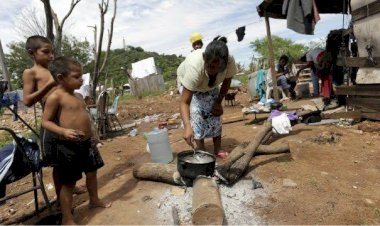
x,y
72,6
110,34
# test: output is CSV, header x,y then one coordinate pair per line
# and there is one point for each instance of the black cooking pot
x,y
190,167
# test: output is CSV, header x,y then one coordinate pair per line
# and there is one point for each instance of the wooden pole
x,y
271,58
4,68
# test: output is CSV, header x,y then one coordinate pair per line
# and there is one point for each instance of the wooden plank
x,y
365,102
346,114
362,62
359,90
366,11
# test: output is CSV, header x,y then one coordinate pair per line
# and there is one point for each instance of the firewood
x,y
231,172
207,204
166,173
272,149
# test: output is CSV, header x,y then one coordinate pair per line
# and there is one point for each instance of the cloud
x,y
164,26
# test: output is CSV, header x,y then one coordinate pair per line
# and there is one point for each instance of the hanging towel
x,y
299,16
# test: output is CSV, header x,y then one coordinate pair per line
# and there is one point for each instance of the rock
x,y
369,202
178,191
354,187
256,184
288,183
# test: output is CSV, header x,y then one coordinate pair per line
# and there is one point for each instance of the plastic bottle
x,y
159,146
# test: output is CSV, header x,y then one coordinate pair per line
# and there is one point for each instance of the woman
x,y
201,100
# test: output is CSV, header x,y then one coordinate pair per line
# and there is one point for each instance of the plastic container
x,y
159,146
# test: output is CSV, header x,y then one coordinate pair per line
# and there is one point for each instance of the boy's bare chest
x,y
72,104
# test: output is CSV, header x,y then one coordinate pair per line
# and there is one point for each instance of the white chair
x,y
269,86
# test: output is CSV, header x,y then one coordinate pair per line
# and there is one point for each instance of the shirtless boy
x,y
65,114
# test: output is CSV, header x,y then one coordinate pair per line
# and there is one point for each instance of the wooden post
x,y
271,58
4,68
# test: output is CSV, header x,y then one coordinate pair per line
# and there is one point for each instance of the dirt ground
x,y
331,175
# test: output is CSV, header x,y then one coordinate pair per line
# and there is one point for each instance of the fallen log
x,y
166,173
207,204
272,149
234,167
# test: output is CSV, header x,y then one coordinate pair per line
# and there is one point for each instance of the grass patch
x,y
5,138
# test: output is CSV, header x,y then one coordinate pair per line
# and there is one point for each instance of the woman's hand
x,y
217,109
188,135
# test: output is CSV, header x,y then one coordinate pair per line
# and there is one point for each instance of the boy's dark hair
x,y
34,42
62,66
284,57
217,49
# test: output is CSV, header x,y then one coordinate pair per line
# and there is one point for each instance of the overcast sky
x,y
164,26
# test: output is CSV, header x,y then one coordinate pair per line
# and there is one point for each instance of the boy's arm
x,y
50,114
31,94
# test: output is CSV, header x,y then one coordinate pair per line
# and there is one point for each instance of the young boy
x,y
65,114
37,84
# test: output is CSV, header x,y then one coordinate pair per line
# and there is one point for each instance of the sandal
x,y
222,154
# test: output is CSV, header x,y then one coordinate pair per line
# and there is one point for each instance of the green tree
x,y
81,50
280,46
17,61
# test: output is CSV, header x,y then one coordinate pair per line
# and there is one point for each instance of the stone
x,y
369,202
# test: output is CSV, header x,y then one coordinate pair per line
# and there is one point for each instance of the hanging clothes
x,y
240,32
260,83
300,16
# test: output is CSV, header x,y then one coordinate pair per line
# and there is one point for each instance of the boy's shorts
x,y
48,147
76,158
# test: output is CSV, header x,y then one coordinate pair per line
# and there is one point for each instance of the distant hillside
x,y
121,60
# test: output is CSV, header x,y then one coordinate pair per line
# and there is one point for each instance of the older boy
x,y
66,115
37,84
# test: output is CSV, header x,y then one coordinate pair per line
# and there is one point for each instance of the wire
x,y
183,47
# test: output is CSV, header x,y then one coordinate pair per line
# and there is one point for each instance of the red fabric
x,y
326,85
326,79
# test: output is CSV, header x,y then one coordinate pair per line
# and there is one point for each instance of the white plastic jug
x,y
159,146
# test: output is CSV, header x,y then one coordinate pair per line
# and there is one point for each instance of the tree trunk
x,y
49,20
166,173
207,204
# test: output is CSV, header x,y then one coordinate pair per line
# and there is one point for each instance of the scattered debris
x,y
133,132
327,137
289,183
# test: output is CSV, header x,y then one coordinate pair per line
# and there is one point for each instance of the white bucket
x,y
159,146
